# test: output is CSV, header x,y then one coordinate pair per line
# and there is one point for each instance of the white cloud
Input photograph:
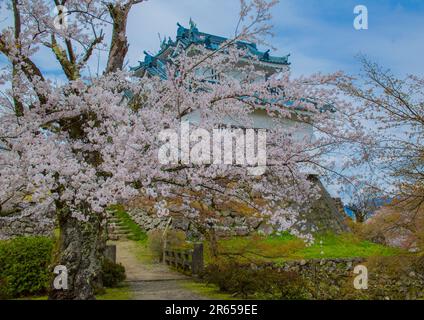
x,y
152,18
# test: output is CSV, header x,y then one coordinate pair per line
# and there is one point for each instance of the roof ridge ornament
x,y
193,25
194,32
163,44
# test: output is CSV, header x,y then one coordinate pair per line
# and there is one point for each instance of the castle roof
x,y
155,64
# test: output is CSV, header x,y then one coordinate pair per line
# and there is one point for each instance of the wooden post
x,y
165,239
197,259
110,252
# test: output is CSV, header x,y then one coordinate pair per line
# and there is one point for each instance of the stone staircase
x,y
116,228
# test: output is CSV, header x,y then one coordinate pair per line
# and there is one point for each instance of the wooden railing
x,y
190,260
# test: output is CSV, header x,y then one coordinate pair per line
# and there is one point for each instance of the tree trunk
x,y
119,44
81,251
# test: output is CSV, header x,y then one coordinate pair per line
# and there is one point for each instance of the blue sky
x,y
318,34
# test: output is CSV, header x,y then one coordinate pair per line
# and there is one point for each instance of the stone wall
x,y
322,216
26,224
231,225
147,221
333,278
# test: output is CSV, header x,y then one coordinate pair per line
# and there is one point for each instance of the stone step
x,y
116,223
117,237
123,231
119,226
121,236
114,228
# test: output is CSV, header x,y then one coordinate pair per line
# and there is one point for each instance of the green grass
x,y
345,246
287,247
143,253
137,234
210,291
122,292
33,298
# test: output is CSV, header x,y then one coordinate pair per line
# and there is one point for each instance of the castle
x,y
325,215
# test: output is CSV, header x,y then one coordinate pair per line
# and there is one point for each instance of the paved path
x,y
151,281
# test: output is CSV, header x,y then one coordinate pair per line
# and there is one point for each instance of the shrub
x,y
245,281
398,226
175,238
24,266
113,273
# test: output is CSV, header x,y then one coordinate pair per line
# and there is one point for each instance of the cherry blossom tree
x,y
82,145
393,110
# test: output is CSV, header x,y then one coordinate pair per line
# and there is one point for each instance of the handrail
x,y
185,259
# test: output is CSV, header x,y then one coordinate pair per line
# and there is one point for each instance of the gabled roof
x,y
155,64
